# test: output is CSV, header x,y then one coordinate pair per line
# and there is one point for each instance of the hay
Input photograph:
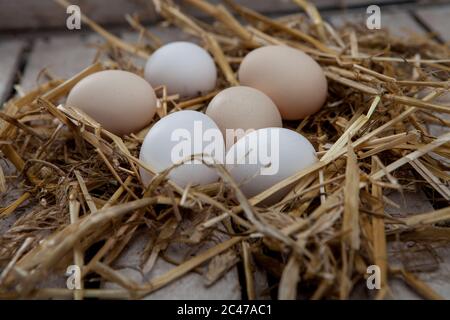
x,y
83,186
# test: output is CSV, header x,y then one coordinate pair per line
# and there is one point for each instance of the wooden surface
x,y
437,19
190,286
61,56
10,54
65,55
399,22
26,14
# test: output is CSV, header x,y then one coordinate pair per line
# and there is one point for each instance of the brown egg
x,y
121,101
291,78
243,108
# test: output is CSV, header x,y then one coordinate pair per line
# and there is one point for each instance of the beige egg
x,y
121,101
291,78
238,109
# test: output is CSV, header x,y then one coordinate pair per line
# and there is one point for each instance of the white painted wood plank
x,y
10,52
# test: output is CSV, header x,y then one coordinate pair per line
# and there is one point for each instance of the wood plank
x,y
10,55
23,14
277,6
405,254
62,56
26,14
12,194
398,22
434,257
189,287
437,19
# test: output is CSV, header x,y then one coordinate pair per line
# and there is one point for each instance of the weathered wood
x,y
403,254
190,286
10,54
62,56
12,194
437,20
398,23
26,14
283,6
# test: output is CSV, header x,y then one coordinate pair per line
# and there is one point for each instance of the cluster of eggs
x,y
277,83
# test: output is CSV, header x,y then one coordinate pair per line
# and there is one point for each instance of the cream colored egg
x,y
267,156
174,139
121,101
238,109
290,77
183,67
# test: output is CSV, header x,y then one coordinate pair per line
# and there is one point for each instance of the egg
x,y
174,139
291,78
238,109
121,101
183,67
264,157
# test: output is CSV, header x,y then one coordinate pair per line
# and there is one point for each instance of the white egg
x,y
183,67
264,157
178,137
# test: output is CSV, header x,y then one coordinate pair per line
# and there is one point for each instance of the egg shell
x,y
242,108
290,77
161,141
121,101
183,67
267,156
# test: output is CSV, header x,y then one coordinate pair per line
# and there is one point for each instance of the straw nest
x,y
81,188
